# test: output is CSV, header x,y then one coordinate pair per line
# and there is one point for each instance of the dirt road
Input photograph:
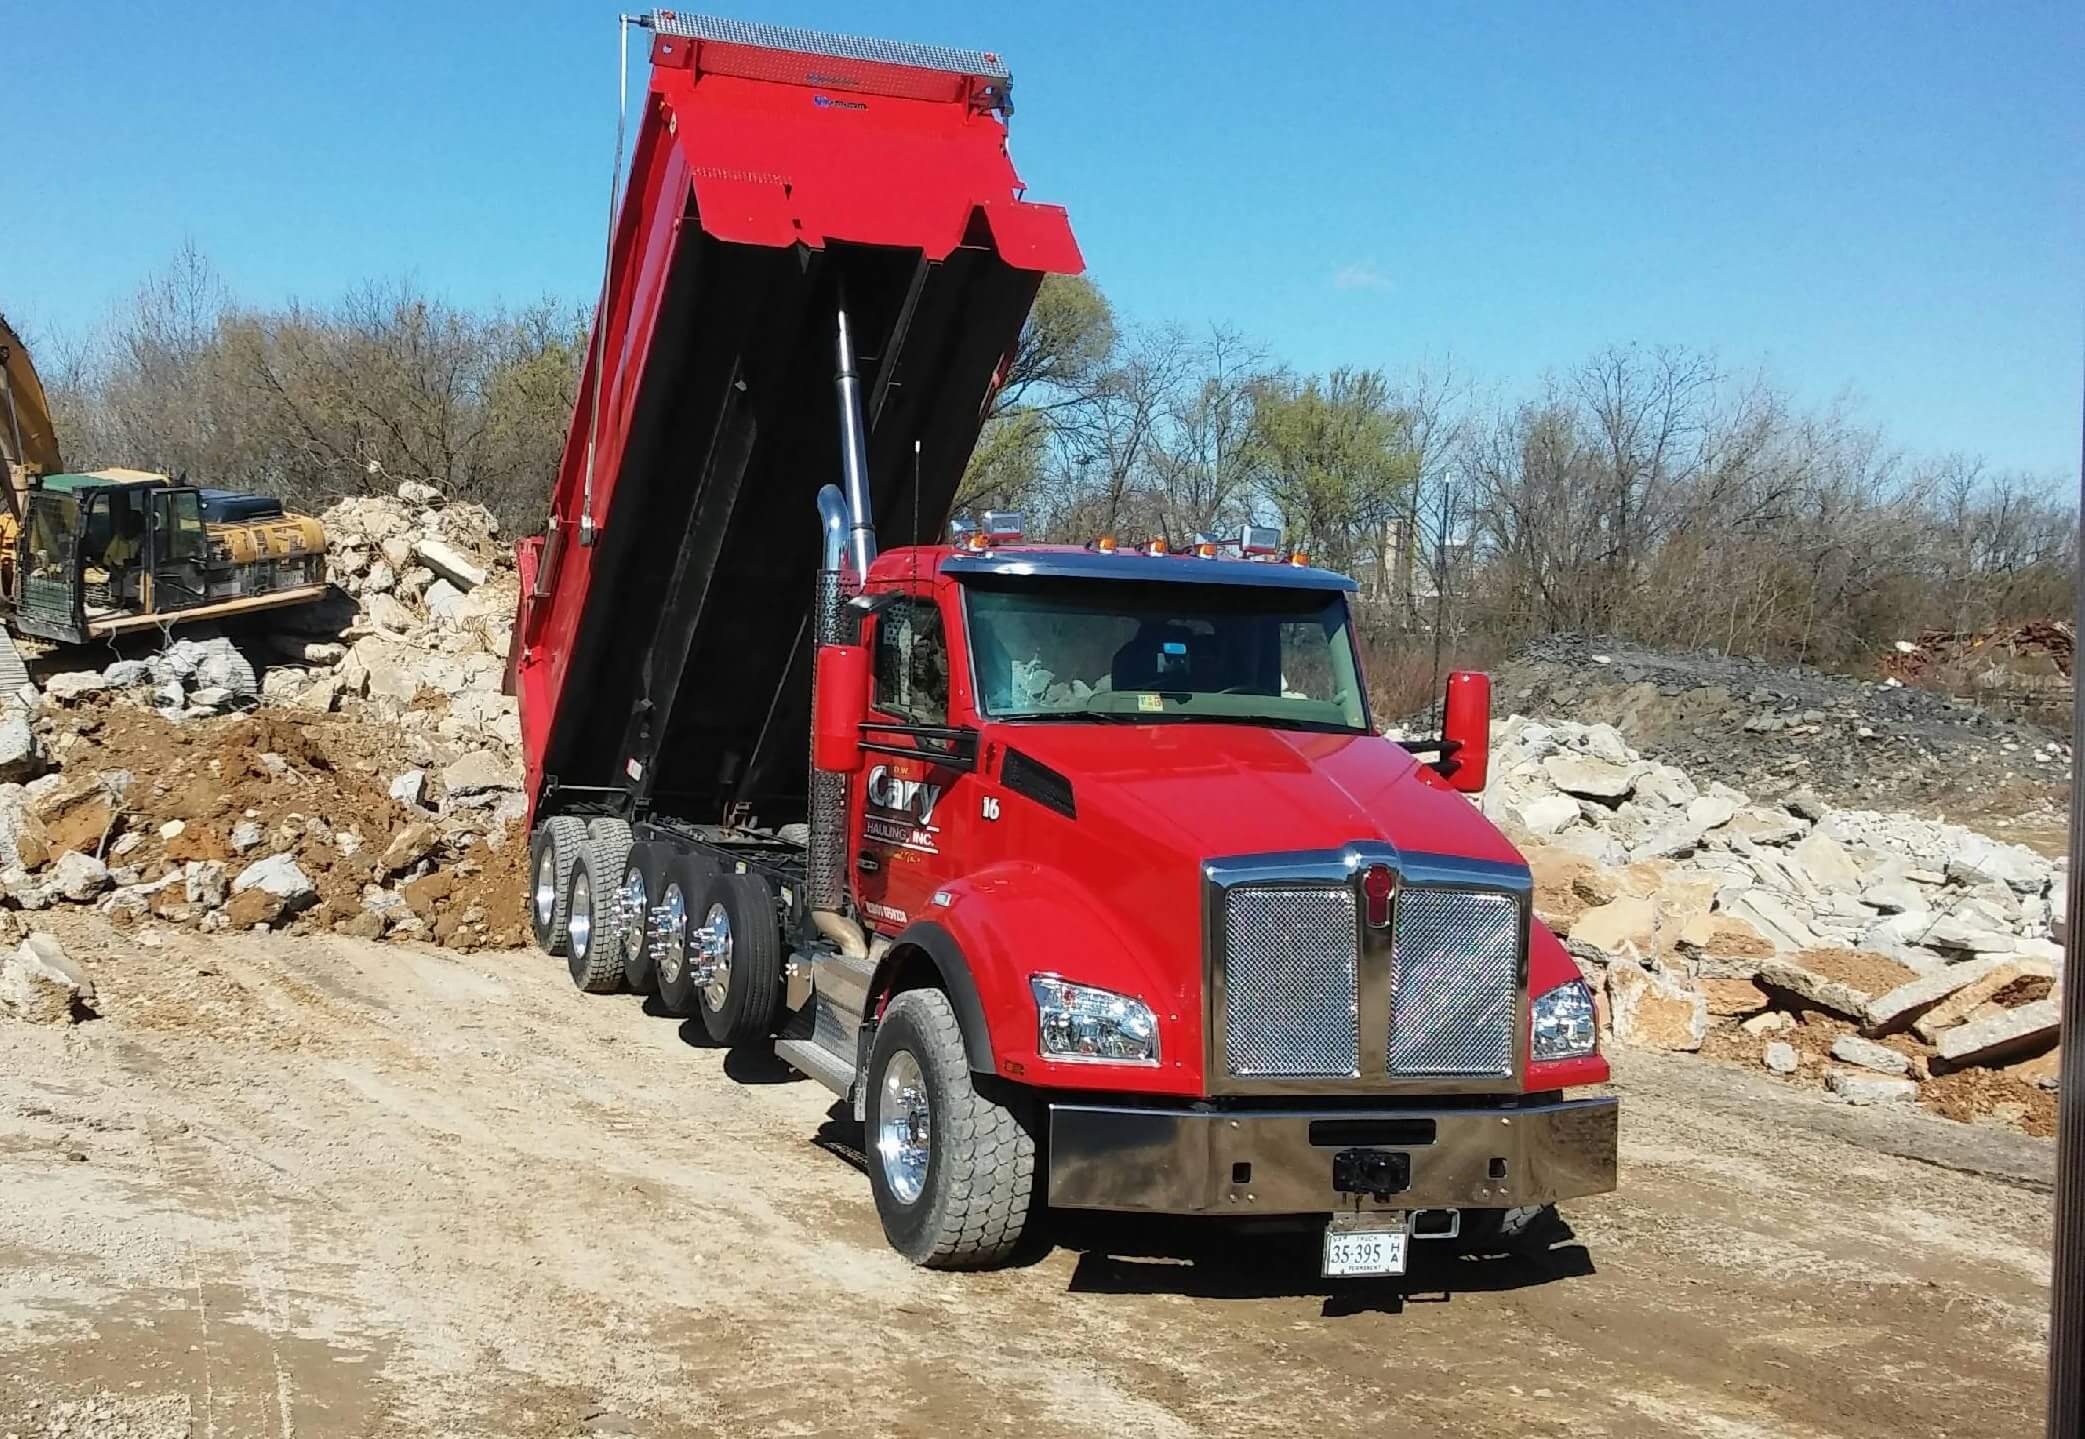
x,y
314,1187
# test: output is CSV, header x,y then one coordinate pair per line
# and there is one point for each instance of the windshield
x,y
1131,650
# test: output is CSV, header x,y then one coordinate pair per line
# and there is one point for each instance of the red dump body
x,y
764,180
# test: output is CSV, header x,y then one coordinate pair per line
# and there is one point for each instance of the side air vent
x,y
1033,778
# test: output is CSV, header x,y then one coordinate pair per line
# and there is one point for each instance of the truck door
x,y
908,791
50,568
179,548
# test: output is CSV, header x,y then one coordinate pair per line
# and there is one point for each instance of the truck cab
x,y
1232,939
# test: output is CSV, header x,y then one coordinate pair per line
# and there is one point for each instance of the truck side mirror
x,y
841,701
1466,727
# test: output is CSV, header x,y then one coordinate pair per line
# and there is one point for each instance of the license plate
x,y
1350,1252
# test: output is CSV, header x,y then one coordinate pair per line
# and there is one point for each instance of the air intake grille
x,y
1289,961
1455,965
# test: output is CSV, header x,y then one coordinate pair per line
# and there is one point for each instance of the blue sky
x,y
1880,200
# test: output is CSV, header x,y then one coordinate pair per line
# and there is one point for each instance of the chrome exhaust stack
x,y
832,623
854,452
847,524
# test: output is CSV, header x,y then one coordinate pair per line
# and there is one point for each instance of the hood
x,y
1207,790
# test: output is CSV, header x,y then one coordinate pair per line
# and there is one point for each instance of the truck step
x,y
833,1071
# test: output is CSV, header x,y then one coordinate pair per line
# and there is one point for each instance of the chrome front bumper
x,y
1281,1161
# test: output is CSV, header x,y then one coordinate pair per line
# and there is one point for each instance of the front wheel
x,y
952,1168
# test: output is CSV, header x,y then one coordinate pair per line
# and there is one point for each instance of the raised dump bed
x,y
662,657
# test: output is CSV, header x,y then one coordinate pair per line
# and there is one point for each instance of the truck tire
x,y
744,994
552,852
683,880
952,1169
633,904
593,932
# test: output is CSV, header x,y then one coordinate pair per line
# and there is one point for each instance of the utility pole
x,y
2067,1301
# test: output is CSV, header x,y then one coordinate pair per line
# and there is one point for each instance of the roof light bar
x,y
1259,540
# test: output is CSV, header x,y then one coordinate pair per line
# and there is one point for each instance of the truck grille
x,y
1290,965
1454,979
1302,991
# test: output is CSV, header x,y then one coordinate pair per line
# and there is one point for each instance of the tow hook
x,y
1378,1173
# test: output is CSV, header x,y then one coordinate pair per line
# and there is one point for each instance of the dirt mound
x,y
181,812
1773,729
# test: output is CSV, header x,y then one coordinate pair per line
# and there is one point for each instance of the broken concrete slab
x,y
1761,825
449,563
1958,1006
1895,1010
1826,862
1820,991
279,875
79,876
1772,918
1653,1011
478,772
1589,777
1869,1055
1621,927
1858,1088
41,983
2015,1034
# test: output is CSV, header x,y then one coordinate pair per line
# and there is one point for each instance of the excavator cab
x,y
98,557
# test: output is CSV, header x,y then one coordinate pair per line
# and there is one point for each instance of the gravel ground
x,y
311,1186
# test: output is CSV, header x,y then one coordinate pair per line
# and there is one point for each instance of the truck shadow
x,y
1213,1258
1219,1259
744,1063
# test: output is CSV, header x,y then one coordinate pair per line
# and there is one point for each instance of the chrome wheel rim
x,y
717,950
632,903
904,1127
545,897
579,924
673,934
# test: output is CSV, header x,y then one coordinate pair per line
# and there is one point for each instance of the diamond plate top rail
x,y
980,63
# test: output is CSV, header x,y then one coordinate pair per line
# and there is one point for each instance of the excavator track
x,y
14,674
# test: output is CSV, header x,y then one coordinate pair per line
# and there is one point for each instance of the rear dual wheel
x,y
554,851
680,882
718,948
743,994
594,929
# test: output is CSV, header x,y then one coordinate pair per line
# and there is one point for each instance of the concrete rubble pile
x,y
418,638
359,769
1927,948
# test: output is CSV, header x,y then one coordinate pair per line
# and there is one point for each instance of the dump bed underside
x,y
668,663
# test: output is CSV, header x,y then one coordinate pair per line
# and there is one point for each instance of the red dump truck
x,y
1081,871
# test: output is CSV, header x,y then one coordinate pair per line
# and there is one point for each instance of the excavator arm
x,y
28,442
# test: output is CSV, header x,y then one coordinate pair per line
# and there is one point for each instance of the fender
x,y
941,949
993,928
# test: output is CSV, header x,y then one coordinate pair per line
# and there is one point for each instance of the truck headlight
x,y
1563,1022
1078,1022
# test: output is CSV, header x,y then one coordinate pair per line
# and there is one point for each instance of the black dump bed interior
x,y
691,677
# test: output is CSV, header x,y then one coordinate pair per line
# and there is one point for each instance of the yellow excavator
x,y
88,556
